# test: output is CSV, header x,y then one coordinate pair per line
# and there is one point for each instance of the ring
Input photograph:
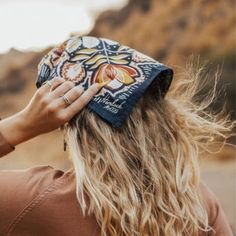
x,y
49,83
66,99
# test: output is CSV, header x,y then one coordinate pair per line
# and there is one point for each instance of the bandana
x,y
87,60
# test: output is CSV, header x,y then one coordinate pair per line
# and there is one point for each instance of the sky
x,y
36,24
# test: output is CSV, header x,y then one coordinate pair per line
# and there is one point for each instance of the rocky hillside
x,y
170,30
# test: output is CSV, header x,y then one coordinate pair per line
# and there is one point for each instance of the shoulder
x,y
210,201
216,216
18,188
14,182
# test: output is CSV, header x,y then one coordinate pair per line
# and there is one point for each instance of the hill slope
x,y
172,29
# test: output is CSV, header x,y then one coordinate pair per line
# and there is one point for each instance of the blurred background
x,y
169,30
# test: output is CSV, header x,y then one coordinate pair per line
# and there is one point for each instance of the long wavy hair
x,y
144,179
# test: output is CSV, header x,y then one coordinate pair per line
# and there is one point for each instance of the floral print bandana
x,y
128,73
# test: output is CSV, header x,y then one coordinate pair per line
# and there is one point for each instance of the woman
x,y
135,151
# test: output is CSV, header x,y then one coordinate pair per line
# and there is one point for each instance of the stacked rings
x,y
66,99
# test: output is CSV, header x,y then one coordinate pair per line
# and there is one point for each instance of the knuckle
x,y
45,101
79,91
52,109
68,84
61,116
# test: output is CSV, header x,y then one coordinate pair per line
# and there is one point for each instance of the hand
x,y
47,110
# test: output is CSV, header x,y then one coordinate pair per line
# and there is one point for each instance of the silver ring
x,y
66,99
49,83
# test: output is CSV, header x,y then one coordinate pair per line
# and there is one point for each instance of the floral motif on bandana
x,y
86,60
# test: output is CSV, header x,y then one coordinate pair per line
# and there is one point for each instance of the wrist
x,y
15,129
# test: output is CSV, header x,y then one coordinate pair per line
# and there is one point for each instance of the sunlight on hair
x,y
145,179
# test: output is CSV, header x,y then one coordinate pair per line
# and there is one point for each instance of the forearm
x,y
13,131
5,147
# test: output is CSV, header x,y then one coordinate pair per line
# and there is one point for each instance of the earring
x,y
64,144
61,128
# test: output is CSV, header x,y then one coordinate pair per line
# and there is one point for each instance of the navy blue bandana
x,y
86,60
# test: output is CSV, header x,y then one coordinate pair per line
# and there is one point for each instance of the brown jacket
x,y
41,201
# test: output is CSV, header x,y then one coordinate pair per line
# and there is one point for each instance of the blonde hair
x,y
144,179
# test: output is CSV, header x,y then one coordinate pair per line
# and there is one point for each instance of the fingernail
x,y
104,83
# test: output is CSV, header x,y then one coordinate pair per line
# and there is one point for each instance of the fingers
x,y
52,84
62,89
58,81
71,95
82,101
63,108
